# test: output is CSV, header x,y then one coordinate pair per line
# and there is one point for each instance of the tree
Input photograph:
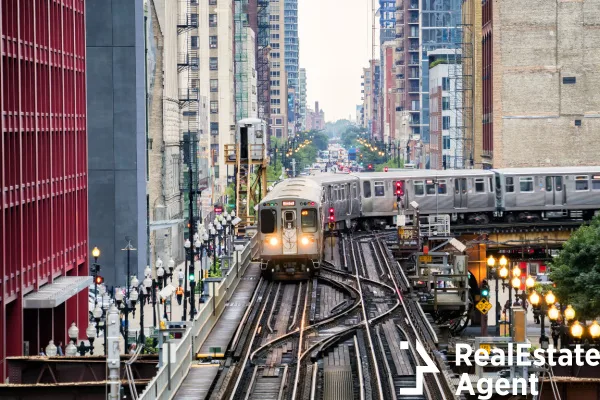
x,y
320,140
576,271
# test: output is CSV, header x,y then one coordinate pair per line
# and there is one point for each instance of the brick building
x,y
43,164
541,83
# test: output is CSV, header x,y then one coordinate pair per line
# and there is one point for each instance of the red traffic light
x,y
331,211
385,169
99,280
399,188
370,166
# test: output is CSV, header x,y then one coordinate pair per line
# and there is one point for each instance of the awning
x,y
155,225
55,293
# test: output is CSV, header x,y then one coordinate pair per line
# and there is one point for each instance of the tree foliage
x,y
576,271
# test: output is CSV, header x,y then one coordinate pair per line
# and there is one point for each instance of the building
x,y
545,83
43,158
291,59
389,92
358,116
302,90
117,141
315,120
446,143
371,99
245,65
366,97
279,79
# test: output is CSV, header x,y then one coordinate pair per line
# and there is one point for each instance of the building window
x,y
275,64
275,54
278,121
212,41
214,128
214,107
189,113
445,83
274,27
445,123
275,92
194,42
569,80
213,63
275,46
275,83
275,74
275,36
176,173
274,18
445,103
279,132
212,20
214,85
446,142
212,2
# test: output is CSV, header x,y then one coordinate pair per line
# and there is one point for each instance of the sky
x,y
335,45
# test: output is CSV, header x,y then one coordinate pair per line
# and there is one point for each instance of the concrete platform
x,y
197,383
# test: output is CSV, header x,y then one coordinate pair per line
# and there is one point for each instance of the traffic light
x,y
485,289
385,169
370,167
99,280
192,275
399,190
331,218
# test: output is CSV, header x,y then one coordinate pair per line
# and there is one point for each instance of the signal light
x,y
485,289
385,169
370,166
399,189
99,280
192,277
331,215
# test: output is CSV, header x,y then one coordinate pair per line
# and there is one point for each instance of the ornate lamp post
x,y
95,271
73,332
549,300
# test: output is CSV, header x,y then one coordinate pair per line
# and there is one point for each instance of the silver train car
x,y
290,229
342,193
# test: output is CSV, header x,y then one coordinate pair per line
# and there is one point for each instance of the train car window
x,y
548,184
596,182
419,189
510,185
479,185
558,183
442,188
430,188
379,189
268,221
308,220
526,184
367,189
491,186
581,183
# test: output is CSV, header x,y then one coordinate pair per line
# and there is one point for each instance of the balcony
x,y
413,61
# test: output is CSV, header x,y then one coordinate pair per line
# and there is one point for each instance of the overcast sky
x,y
335,40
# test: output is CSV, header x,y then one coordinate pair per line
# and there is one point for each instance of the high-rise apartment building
x,y
245,63
279,77
44,175
388,95
291,59
372,99
302,90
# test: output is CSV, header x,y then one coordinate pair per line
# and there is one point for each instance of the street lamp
x,y
73,332
188,248
51,349
95,271
549,300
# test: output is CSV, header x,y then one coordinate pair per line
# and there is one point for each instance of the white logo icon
x,y
418,390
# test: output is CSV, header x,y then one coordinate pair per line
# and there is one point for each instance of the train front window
x,y
268,221
309,220
289,219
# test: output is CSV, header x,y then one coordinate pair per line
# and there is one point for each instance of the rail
x,y
171,375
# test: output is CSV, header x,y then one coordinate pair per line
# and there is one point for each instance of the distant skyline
x,y
335,45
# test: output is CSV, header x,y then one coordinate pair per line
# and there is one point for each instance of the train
x,y
294,216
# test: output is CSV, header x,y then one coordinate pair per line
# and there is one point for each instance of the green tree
x,y
576,271
320,140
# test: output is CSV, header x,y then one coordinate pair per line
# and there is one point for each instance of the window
x,y
275,54
419,190
268,221
275,64
445,103
276,101
274,27
278,121
275,46
577,122
445,83
526,184
214,85
569,80
581,183
194,19
446,142
595,182
430,187
214,128
548,184
275,73
558,183
212,20
212,41
214,107
442,188
275,92
275,82
194,42
274,18
446,123
279,132
212,2
213,63
176,172
189,113
510,185
308,220
379,189
479,185
367,189
274,36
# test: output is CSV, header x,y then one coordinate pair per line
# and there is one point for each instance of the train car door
x,y
290,234
460,193
555,193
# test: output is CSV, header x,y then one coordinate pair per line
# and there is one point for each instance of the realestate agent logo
x,y
418,389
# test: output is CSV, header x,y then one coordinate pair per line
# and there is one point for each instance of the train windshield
x,y
268,221
309,220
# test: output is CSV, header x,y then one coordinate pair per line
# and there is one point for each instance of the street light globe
x,y
197,243
516,272
205,237
147,282
101,289
135,281
171,263
91,331
73,332
503,272
119,294
576,330
147,271
232,213
70,350
569,313
491,261
133,296
51,349
187,244
550,298
97,313
160,272
594,330
553,313
534,298
159,263
503,261
96,252
530,282
516,282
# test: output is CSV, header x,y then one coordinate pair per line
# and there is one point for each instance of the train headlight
x,y
305,241
273,241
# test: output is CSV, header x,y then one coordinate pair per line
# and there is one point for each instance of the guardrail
x,y
170,375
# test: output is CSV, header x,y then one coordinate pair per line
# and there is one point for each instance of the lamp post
x,y
126,305
549,300
187,245
96,270
73,332
554,316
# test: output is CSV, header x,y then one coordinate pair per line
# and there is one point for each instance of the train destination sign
x,y
288,203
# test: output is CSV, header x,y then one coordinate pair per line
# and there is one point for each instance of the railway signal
x,y
99,280
385,169
399,190
370,167
331,227
485,289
